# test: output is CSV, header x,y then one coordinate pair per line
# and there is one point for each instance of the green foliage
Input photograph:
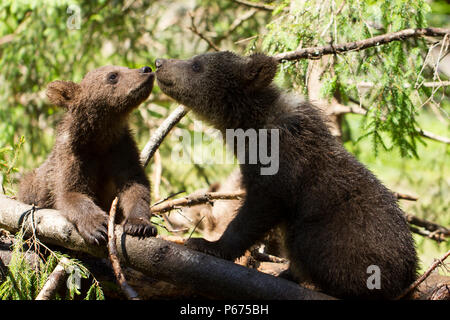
x,y
8,157
24,281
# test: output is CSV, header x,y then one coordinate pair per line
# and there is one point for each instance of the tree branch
x,y
163,260
317,52
236,23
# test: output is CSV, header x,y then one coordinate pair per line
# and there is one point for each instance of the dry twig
x,y
127,290
195,199
194,29
405,196
432,230
424,276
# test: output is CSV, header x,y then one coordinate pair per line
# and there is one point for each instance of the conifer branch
x,y
317,52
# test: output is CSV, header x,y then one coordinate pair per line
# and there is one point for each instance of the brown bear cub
x,y
95,158
343,230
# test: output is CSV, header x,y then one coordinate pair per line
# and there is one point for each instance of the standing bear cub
x,y
95,158
339,222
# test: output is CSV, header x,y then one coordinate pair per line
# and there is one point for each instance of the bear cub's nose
x,y
145,69
159,63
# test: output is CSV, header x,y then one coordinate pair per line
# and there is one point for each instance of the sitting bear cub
x,y
95,158
339,221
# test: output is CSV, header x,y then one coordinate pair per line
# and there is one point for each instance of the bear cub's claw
x,y
139,227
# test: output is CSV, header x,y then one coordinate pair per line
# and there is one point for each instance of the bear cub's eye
x,y
112,77
196,67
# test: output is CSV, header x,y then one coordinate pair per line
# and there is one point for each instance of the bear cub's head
x,y
219,82
117,90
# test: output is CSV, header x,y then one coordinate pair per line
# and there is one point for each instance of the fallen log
x,y
157,258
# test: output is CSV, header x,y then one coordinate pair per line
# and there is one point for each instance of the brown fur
x,y
95,158
338,218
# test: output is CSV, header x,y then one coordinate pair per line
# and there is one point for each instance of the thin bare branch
x,y
195,199
6,39
236,23
433,230
431,84
436,236
433,136
194,29
10,37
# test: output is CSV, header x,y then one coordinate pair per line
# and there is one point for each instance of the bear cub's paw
x,y
94,228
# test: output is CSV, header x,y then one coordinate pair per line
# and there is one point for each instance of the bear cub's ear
x,y
259,71
61,93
